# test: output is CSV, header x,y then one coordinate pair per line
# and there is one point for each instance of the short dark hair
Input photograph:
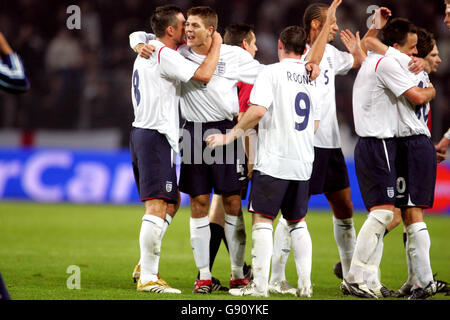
x,y
425,42
208,15
294,39
396,31
236,32
163,17
313,11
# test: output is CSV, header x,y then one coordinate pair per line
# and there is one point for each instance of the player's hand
x,y
351,42
216,140
217,38
416,65
313,70
440,156
145,50
250,171
381,17
4,45
331,14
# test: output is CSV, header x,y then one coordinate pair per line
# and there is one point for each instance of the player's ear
x,y
170,31
280,45
315,24
244,44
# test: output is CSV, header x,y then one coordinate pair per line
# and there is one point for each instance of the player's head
x,y
313,19
401,34
169,21
447,13
241,35
428,50
292,41
200,25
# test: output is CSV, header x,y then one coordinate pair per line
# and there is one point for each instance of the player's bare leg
x,y
236,237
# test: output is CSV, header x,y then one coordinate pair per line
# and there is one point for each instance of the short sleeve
x,y
249,68
174,65
343,62
402,58
262,92
393,76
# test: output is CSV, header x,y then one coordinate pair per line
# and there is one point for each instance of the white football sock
x,y
261,254
419,252
281,249
150,247
235,235
411,278
200,237
366,243
345,236
372,274
302,249
167,222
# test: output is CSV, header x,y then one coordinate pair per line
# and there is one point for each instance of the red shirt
x,y
244,95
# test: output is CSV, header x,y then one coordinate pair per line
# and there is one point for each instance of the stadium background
x,y
66,139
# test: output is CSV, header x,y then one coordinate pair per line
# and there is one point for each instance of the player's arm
x,y
206,70
442,146
249,120
415,65
420,96
12,73
318,48
353,45
316,125
379,20
138,42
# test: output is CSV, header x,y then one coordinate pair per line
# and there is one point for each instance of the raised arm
x,y
318,48
12,73
379,20
353,45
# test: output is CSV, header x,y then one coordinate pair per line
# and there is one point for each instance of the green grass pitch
x,y
40,241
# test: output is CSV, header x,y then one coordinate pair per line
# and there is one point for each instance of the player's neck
x,y
169,42
204,48
289,55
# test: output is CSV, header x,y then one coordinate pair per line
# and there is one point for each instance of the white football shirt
x,y
218,99
378,85
285,147
412,118
334,62
155,91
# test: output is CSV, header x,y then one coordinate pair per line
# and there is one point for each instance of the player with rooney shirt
x,y
329,176
155,132
285,107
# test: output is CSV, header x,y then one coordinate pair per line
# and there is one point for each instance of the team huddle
x,y
276,125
